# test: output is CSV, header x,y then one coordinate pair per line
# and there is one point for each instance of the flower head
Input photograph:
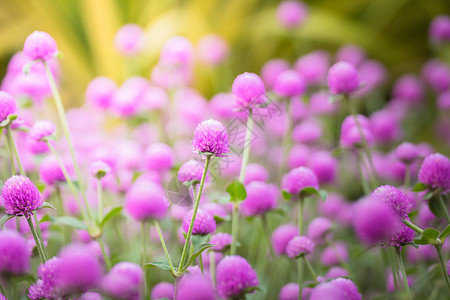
x,y
261,198
41,130
271,69
192,170
35,292
281,237
204,223
21,196
7,106
318,229
333,255
99,168
313,67
291,14
289,292
343,78
435,171
289,84
235,276
50,170
398,201
158,156
255,172
129,38
124,281
196,286
40,45
221,241
100,92
440,29
409,89
338,289
14,253
146,200
299,178
163,290
211,137
299,245
324,165
213,49
248,90
48,273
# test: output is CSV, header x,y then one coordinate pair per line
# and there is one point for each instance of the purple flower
x,y
409,89
352,54
299,245
213,49
124,281
48,272
35,292
221,241
337,289
40,45
291,14
324,165
336,272
281,237
191,170
271,69
159,156
211,137
289,292
41,130
14,253
235,276
255,172
443,101
350,135
89,296
261,198
372,73
196,286
204,223
129,39
318,229
99,168
343,78
299,178
146,200
178,50
386,127
215,210
100,92
248,90
440,29
289,84
435,171
403,236
407,152
333,255
298,156
50,171
313,67
320,105
307,132
437,75
21,197
163,290
395,199
7,106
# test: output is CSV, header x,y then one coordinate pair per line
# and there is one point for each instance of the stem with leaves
x,y
38,241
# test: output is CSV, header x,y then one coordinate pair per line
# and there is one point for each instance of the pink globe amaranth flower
x,y
336,209
299,245
440,29
324,165
343,78
390,284
35,292
146,200
261,198
124,281
217,256
195,286
90,296
40,45
204,223
235,276
299,178
271,69
374,221
191,170
163,290
400,204
333,255
289,292
215,210
129,39
291,14
443,101
299,109
437,75
221,106
8,106
386,127
298,156
281,237
50,170
350,134
127,99
403,236
320,104
372,74
154,98
211,138
256,172
337,289
435,171
409,89
159,157
177,50
221,241
41,130
308,131
78,270
318,230
406,152
213,49
313,67
289,84
20,196
336,272
100,92
14,253
48,272
352,54
99,168
248,90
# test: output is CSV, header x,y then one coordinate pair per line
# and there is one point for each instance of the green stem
x,y
100,201
299,277
407,176
413,226
444,208
402,269
11,158
144,242
246,153
309,267
300,215
364,183
200,262
194,214
105,255
212,267
300,232
39,245
12,144
234,227
2,290
394,269
272,252
163,244
443,267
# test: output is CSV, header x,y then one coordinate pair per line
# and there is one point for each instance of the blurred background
x,y
392,31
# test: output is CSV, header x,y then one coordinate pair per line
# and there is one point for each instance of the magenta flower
x,y
35,292
204,223
403,236
271,69
313,67
191,170
409,89
234,276
256,172
100,92
261,198
163,290
124,281
40,45
146,200
299,245
440,29
196,286
289,84
211,138
289,292
386,126
8,106
298,156
338,289
352,54
99,168
221,241
343,78
336,272
350,135
248,90
299,178
318,230
20,196
159,157
307,132
48,272
398,201
178,50
213,49
334,255
324,165
281,237
50,170
14,253
435,171
291,14
41,130
129,39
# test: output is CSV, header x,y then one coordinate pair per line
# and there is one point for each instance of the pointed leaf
x,y
5,218
196,254
111,214
323,195
69,221
45,218
429,236
286,195
199,240
435,207
445,233
46,205
157,264
237,191
419,187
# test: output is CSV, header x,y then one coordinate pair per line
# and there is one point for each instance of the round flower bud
x,y
403,236
299,178
234,276
100,92
435,171
163,290
333,255
318,229
204,223
289,292
124,281
14,253
289,84
409,89
221,241
261,198
291,14
35,292
211,137
41,130
40,45
440,29
158,156
48,272
299,245
248,90
307,132
352,54
255,172
271,69
50,171
386,127
20,196
146,200
99,169
324,165
336,272
343,78
7,106
196,286
281,237
177,50
129,38
398,201
213,49
313,67
338,289
192,170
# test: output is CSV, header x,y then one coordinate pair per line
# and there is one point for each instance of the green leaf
x,y
46,205
40,185
323,195
428,237
419,187
45,218
252,289
219,220
278,211
237,191
286,195
111,214
435,207
337,151
69,221
199,240
5,218
157,264
196,254
444,233
309,190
